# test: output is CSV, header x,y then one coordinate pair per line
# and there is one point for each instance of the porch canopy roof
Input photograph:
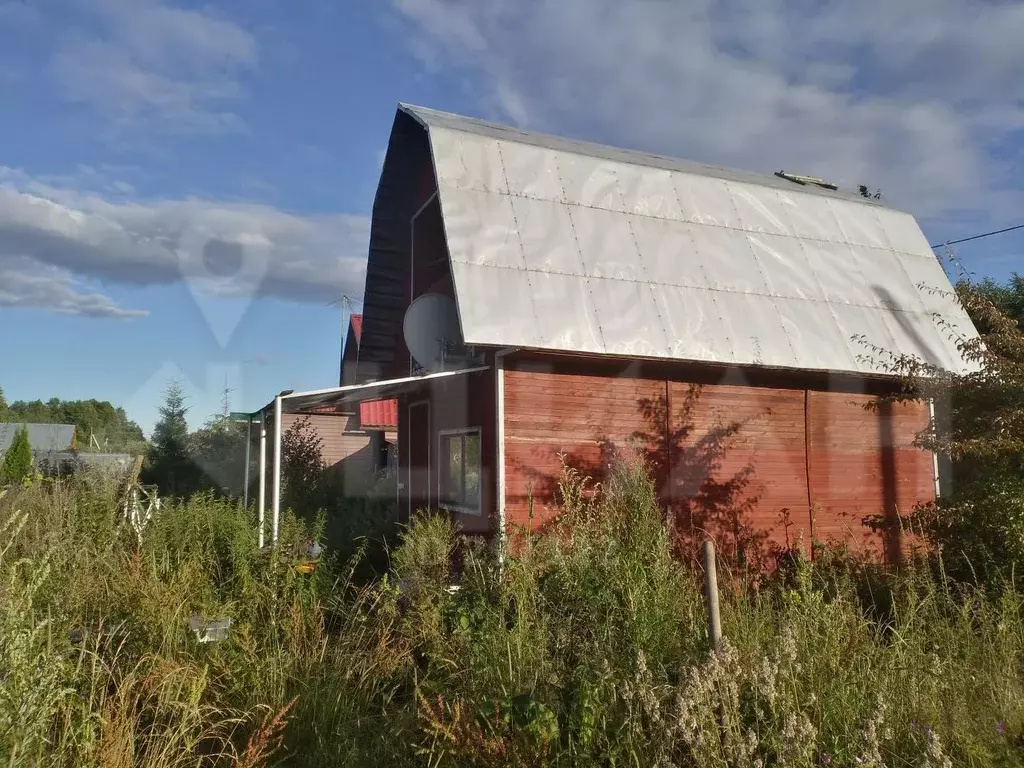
x,y
319,400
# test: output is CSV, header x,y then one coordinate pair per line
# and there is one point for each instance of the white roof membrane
x,y
572,247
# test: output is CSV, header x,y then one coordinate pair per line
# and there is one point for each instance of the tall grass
x,y
587,646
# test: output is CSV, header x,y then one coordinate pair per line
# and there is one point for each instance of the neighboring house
x,y
43,438
721,321
53,449
358,439
379,418
69,462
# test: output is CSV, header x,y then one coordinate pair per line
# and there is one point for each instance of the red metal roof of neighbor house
x,y
378,413
357,326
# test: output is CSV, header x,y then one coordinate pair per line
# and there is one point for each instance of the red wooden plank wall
x,y
745,463
548,413
863,463
738,458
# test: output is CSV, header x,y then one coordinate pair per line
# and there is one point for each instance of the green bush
x,y
17,465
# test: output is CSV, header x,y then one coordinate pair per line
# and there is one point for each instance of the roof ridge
x,y
589,148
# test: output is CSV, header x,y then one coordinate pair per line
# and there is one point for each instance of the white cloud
x,y
27,283
220,250
168,68
911,97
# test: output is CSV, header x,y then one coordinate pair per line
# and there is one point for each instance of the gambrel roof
x,y
574,247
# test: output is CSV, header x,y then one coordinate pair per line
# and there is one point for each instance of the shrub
x,y
977,525
17,465
302,467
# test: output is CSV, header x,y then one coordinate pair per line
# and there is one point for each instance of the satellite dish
x,y
431,328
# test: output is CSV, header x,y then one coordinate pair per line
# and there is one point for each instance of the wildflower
x,y
871,736
789,651
766,679
746,752
798,736
1001,728
934,754
826,758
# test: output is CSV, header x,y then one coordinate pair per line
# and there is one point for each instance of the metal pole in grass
x,y
276,488
263,474
245,475
714,623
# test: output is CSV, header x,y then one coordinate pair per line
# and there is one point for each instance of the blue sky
x,y
184,187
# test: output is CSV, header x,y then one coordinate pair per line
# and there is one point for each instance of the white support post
x,y
499,453
276,490
263,473
245,475
936,475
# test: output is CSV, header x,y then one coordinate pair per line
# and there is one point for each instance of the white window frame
x,y
442,471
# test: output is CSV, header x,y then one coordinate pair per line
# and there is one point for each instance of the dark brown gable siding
x,y
405,183
744,461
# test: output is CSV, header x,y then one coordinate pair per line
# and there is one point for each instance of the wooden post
x,y
711,595
714,626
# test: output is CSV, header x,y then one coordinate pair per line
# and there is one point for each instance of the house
x,y
41,437
377,418
357,439
563,299
54,450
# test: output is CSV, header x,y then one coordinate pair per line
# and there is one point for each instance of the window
x,y
459,477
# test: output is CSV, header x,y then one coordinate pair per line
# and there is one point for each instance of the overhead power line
x,y
978,237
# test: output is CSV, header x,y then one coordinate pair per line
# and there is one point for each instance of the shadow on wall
x,y
700,491
892,534
887,523
701,495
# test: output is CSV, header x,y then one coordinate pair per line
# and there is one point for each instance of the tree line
x,y
99,425
179,461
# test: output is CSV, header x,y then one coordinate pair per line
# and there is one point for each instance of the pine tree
x,y
17,464
218,450
169,465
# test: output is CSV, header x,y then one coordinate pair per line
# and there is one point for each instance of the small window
x,y
460,471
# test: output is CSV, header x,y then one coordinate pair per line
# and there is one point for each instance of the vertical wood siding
x,y
864,463
747,462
